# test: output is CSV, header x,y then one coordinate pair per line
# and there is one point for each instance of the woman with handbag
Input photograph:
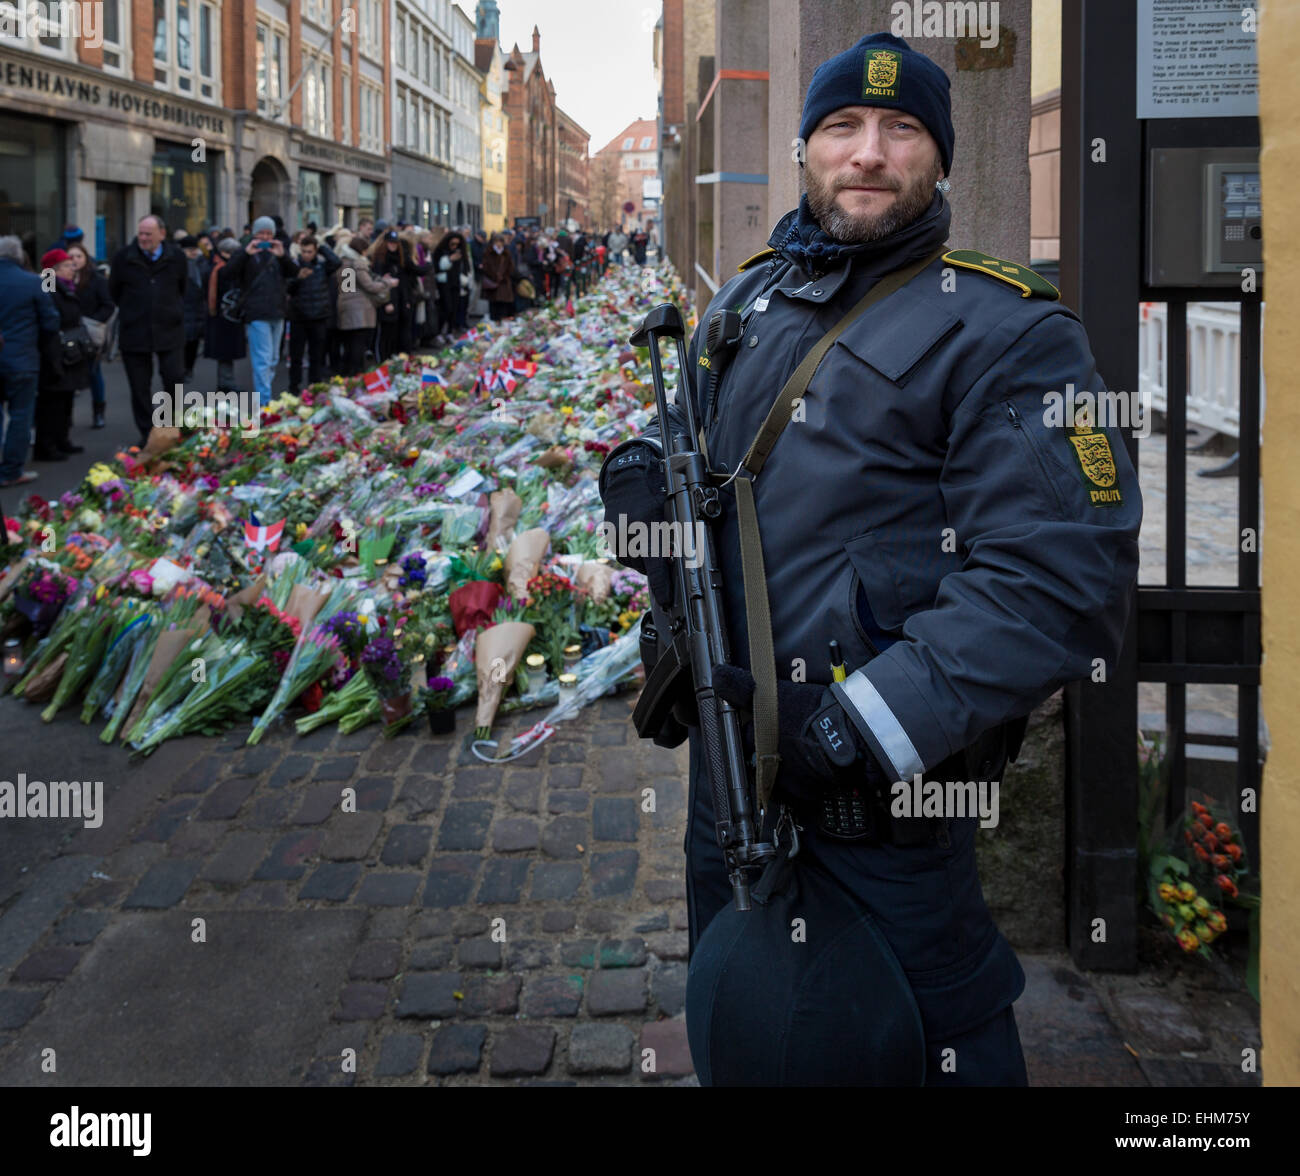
x,y
359,292
498,279
224,341
65,364
96,310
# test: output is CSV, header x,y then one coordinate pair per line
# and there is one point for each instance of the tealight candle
x,y
536,664
13,658
572,656
568,687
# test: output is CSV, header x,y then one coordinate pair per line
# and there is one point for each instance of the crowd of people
x,y
337,300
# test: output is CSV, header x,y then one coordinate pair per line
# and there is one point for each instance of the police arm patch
x,y
1030,284
1097,464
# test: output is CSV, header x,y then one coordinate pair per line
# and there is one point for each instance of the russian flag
x,y
429,377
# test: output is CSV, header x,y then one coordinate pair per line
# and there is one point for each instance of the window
x,y
399,126
646,142
186,47
493,201
345,83
401,41
114,42
627,143
317,115
424,74
424,130
270,70
424,213
401,208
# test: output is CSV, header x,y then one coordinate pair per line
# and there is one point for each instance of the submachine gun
x,y
681,659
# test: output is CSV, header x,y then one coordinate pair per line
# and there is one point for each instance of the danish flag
x,y
263,538
378,381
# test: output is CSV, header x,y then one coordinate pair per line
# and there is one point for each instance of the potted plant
x,y
436,697
390,677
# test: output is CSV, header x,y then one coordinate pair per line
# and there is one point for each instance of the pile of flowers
x,y
357,544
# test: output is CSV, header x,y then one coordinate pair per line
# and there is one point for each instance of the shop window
x,y
401,208
182,192
424,213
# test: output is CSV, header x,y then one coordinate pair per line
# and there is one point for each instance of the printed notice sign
x,y
1196,58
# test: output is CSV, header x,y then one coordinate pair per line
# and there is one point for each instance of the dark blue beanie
x,y
882,70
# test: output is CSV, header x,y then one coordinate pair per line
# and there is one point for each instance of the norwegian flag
x,y
378,381
520,367
263,538
429,377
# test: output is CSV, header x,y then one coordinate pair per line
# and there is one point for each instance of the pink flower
x,y
141,582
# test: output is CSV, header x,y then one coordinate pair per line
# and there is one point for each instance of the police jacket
x,y
924,508
150,296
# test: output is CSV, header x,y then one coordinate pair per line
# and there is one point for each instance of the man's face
x,y
263,234
149,234
869,172
307,254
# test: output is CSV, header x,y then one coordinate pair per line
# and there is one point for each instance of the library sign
x,y
57,85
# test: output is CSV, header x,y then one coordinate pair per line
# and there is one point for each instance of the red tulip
x,y
1187,836
1211,842
1198,808
1224,831
1234,851
1227,885
1206,820
1201,854
1219,861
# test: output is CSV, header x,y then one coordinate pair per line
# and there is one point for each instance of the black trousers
x,y
500,310
53,420
355,343
139,374
308,335
191,353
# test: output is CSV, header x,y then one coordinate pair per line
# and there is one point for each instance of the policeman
x,y
922,503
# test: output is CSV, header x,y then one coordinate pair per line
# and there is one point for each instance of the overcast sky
x,y
598,55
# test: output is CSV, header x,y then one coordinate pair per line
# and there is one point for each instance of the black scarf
x,y
800,238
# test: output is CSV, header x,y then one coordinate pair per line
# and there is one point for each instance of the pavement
x,y
340,910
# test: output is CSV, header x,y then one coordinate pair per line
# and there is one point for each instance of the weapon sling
x,y
762,656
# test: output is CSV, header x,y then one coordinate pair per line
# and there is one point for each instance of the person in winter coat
x,y
92,294
498,279
392,258
617,242
454,266
224,341
61,374
26,313
147,283
261,271
427,290
309,310
359,293
196,300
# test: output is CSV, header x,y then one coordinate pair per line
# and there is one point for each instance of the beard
x,y
914,197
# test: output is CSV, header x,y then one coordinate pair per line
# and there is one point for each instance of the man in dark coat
x,y
309,310
26,313
967,554
224,341
147,283
196,300
262,270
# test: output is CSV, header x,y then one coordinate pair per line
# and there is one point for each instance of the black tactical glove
x,y
635,490
819,747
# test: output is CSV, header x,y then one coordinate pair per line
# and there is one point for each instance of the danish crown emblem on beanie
x,y
883,70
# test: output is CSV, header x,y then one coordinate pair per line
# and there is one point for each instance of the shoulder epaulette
x,y
761,255
1030,284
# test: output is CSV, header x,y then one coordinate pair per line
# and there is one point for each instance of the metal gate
x,y
1178,635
